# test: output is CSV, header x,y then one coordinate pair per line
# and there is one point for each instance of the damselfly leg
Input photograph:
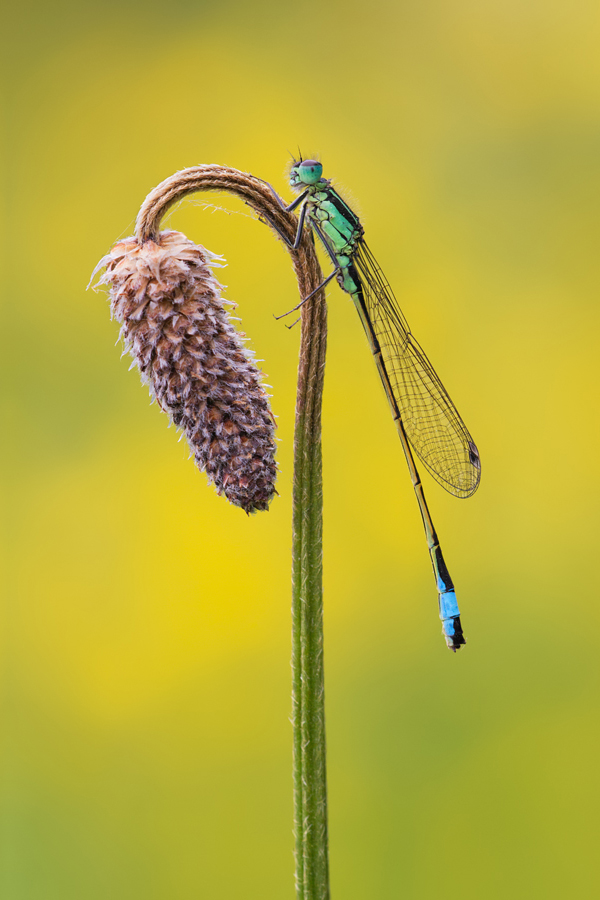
x,y
312,294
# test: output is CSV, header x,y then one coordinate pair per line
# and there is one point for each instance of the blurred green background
x,y
145,738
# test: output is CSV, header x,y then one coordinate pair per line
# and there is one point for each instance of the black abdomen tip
x,y
455,640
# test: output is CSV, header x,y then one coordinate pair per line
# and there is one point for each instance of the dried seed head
x,y
175,326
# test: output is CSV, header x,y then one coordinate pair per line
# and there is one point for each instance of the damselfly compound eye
x,y
310,171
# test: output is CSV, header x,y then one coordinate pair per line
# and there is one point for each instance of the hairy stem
x,y
310,781
310,785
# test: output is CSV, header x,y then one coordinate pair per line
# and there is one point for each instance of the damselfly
x,y
424,414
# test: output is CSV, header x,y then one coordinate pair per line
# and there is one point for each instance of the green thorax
x,y
334,218
339,227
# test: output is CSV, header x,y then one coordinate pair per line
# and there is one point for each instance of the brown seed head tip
x,y
174,324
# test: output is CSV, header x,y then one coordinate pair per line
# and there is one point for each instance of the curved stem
x,y
310,785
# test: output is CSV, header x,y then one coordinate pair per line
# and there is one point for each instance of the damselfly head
x,y
305,172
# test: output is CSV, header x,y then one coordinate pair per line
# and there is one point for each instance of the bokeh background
x,y
145,735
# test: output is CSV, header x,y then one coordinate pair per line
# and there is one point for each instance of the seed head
x,y
175,325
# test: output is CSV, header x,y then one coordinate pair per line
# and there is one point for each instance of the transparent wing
x,y
436,432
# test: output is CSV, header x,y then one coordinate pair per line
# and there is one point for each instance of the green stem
x,y
310,782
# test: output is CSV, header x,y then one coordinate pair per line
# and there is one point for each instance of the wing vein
x,y
434,428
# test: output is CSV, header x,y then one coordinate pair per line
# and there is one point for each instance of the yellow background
x,y
145,738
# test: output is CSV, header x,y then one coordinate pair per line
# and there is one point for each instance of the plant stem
x,y
312,868
310,783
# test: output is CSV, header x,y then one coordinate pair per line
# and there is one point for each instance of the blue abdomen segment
x,y
450,616
448,606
